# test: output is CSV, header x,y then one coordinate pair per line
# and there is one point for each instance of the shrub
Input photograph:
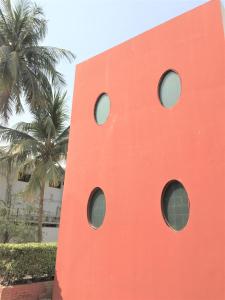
x,y
22,262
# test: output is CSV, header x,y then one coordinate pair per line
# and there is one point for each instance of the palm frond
x,y
63,136
13,135
36,180
24,126
55,173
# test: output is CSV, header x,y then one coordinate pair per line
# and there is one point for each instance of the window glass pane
x,y
169,89
96,208
175,205
102,109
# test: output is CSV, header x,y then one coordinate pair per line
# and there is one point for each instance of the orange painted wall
x,y
135,255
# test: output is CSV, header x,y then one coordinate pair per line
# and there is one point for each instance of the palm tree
x,y
26,68
39,147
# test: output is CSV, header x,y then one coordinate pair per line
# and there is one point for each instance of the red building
x,y
143,214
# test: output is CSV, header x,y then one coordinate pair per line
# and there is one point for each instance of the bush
x,y
27,262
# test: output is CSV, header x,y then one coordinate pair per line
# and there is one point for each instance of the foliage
x,y
26,261
16,228
13,227
39,147
27,68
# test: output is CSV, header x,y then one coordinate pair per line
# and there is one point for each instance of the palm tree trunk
x,y
40,212
8,201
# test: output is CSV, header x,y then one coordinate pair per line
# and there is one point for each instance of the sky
x,y
89,27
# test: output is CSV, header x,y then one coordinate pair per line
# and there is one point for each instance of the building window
x,y
96,208
169,89
24,177
102,109
55,185
175,205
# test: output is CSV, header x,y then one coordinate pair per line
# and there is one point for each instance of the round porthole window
x,y
102,109
96,208
169,88
175,205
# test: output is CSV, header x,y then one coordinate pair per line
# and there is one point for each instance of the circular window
x,y
169,89
102,109
175,205
96,208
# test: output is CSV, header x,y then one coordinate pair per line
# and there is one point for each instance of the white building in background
x,y
52,205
